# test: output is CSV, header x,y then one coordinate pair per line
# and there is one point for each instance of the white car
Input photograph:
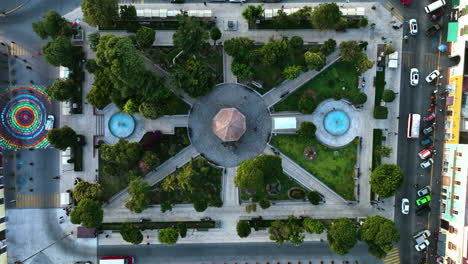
x,y
49,122
422,240
413,26
414,77
432,76
424,191
404,206
422,246
427,163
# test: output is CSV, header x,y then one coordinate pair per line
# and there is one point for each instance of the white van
x,y
434,6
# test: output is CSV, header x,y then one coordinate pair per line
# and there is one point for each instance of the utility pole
x,y
55,242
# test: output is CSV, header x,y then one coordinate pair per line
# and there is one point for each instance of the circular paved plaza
x,y
257,118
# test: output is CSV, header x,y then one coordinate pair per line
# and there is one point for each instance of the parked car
x,y
413,26
432,30
425,153
427,130
430,117
177,1
424,191
427,163
432,76
422,246
423,200
406,2
404,206
422,239
427,141
423,209
49,122
414,77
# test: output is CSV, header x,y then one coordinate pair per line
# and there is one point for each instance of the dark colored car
x,y
422,210
177,1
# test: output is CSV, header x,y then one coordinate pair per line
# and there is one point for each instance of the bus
x,y
414,122
116,260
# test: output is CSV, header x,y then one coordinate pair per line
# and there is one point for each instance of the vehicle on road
x,y
422,246
424,191
423,209
414,77
177,1
413,26
116,260
432,76
237,1
432,30
425,153
434,6
429,117
427,141
83,262
427,163
427,130
406,2
49,122
423,200
404,206
422,240
414,123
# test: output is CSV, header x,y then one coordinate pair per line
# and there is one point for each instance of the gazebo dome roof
x,y
229,124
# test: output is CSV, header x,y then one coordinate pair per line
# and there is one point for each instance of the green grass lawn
x,y
324,86
379,87
286,184
336,171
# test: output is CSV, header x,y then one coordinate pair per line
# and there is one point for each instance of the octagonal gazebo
x,y
229,124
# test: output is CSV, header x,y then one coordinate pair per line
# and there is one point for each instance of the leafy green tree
x,y
200,205
281,20
350,51
363,63
93,40
124,154
270,166
141,196
62,138
296,42
97,97
88,213
307,130
384,151
194,77
315,60
388,49
131,106
100,13
307,104
131,233
248,176
325,16
151,110
151,160
243,228
168,236
314,197
274,52
59,51
87,190
53,25
290,230
264,203
292,72
388,96
240,48
386,179
241,71
182,229
252,13
358,98
251,208
328,47
62,89
313,226
128,13
215,34
342,235
380,234
380,112
91,66
190,36
145,37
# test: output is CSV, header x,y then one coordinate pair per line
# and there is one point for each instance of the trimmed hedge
x,y
380,112
162,225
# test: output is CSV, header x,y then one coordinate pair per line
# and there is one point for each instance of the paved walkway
x,y
230,190
229,77
165,169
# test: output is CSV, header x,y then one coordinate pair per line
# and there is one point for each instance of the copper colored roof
x,y
229,124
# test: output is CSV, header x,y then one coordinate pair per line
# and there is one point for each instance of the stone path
x,y
229,77
230,190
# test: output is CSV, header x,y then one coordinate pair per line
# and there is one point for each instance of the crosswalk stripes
x,y
408,59
393,257
37,200
431,61
395,12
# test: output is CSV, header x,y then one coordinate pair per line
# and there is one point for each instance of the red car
x,y
406,2
429,117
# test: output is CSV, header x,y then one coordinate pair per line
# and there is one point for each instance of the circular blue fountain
x,y
121,125
336,122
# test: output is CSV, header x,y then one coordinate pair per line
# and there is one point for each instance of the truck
x,y
432,30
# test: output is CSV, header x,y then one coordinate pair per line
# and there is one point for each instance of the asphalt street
x,y
419,52
245,253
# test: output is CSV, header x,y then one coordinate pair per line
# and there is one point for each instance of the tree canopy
x,y
59,51
145,37
62,89
292,72
140,191
315,60
325,16
274,52
243,228
194,77
215,34
380,234
190,36
313,226
53,25
388,96
123,153
289,230
88,213
314,197
248,176
342,235
100,12
296,42
253,12
351,51
168,236
328,47
239,48
307,130
62,138
241,71
131,233
87,190
386,179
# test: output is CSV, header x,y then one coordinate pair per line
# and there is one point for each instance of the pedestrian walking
x,y
204,3
31,163
56,177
